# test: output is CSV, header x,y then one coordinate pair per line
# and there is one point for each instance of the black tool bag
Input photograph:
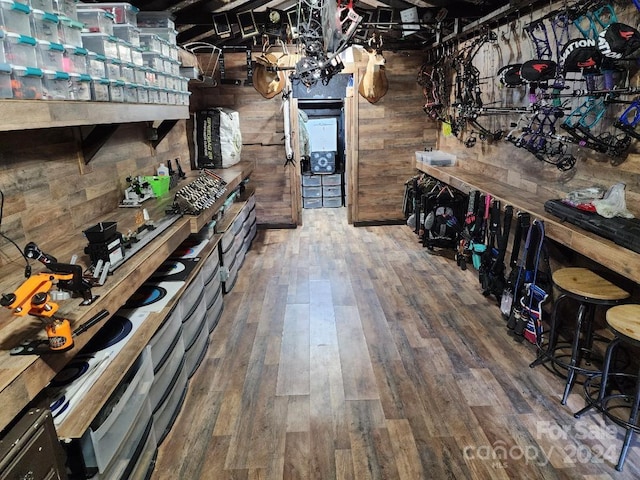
x,y
444,211
492,269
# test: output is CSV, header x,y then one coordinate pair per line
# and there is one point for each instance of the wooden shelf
x,y
29,114
614,257
22,378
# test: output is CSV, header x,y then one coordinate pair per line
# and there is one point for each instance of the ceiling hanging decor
x,y
325,29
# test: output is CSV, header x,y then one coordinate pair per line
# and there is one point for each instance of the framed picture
x,y
292,16
247,23
221,24
385,17
363,28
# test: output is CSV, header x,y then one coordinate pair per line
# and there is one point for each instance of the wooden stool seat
x,y
624,320
589,290
587,284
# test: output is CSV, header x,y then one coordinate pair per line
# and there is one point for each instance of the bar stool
x,y
624,322
589,290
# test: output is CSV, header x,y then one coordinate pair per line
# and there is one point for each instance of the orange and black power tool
x,y
32,298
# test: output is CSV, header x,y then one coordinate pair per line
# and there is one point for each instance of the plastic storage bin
x,y
20,49
101,43
150,42
154,95
312,192
100,89
96,65
67,8
332,179
5,81
128,33
143,94
96,20
70,31
136,56
80,86
153,60
122,12
119,416
332,202
50,55
169,34
331,191
139,75
155,20
26,82
44,5
76,59
44,26
126,72
55,85
114,70
15,17
438,158
165,48
124,50
130,92
116,91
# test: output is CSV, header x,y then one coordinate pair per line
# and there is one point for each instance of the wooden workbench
x,y
22,378
605,252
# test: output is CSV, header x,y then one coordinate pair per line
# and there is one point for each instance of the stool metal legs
x,y
633,418
575,353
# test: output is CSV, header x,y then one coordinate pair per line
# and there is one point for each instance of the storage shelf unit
x,y
322,191
24,377
238,229
29,114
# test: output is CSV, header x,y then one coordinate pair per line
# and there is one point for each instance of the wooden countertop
x,y
619,259
22,378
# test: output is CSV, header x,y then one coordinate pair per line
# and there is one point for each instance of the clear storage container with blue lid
x,y
80,86
20,49
55,85
95,20
122,12
44,26
76,59
101,43
5,81
15,17
26,82
70,31
99,89
50,55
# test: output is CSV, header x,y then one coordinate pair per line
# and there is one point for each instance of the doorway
x,y
323,159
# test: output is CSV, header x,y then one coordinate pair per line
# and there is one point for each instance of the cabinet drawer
x,y
333,179
114,422
195,354
332,191
312,192
160,389
167,412
215,310
164,339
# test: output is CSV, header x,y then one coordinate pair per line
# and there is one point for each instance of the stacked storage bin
x,y
195,329
235,242
322,191
169,373
19,52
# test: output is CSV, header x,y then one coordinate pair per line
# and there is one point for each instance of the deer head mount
x,y
268,79
374,85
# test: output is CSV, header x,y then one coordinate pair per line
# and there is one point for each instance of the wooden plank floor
x,y
354,354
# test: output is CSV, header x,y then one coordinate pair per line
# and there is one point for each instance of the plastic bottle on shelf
x,y
163,170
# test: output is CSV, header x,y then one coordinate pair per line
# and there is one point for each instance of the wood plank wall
x,y
50,193
389,133
262,126
506,163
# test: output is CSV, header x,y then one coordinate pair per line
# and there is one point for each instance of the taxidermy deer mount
x,y
374,85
